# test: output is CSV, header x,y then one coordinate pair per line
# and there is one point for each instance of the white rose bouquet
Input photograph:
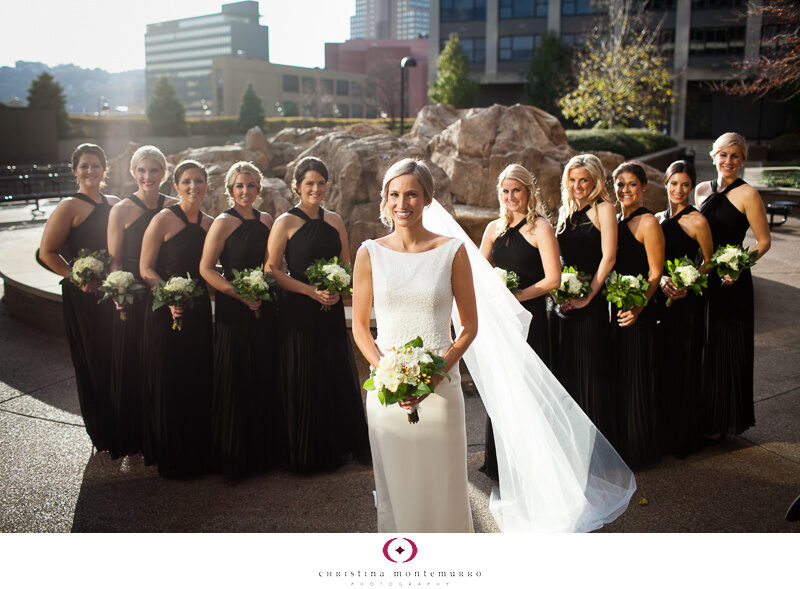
x,y
177,291
253,285
685,276
509,278
330,275
122,288
574,285
626,291
89,266
405,372
732,260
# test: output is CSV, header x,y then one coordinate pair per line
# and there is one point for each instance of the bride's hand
x,y
411,402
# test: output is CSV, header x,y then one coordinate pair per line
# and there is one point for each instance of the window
x,y
354,88
517,48
718,3
474,48
342,88
309,85
540,8
516,8
357,111
326,86
461,10
343,111
291,84
575,7
716,41
573,39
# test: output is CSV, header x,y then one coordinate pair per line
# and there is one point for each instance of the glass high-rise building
x,y
390,19
183,50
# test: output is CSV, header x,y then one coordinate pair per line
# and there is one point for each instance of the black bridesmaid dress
x,y
581,356
680,344
321,395
729,346
245,408
635,360
88,328
127,342
177,399
511,251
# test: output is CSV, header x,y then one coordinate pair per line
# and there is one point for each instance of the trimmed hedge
x,y
135,127
629,143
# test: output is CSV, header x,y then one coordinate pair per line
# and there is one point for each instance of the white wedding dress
x,y
420,469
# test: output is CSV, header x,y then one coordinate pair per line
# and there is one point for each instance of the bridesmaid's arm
x,y
362,306
757,217
116,234
151,245
220,230
548,250
55,234
487,241
608,241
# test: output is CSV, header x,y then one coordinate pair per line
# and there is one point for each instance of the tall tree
x,y
621,75
549,75
776,70
251,110
165,111
453,84
45,92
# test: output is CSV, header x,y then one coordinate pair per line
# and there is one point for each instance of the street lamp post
x,y
404,63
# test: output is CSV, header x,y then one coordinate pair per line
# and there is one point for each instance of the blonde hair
x,y
593,165
234,171
727,140
520,174
417,168
148,152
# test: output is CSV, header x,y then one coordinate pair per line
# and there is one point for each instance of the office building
x,y
390,19
701,38
183,50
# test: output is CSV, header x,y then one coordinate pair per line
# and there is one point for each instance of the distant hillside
x,y
82,87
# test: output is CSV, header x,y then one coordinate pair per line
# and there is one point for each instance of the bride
x,y
557,472
412,277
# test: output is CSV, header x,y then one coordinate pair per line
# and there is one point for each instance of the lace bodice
x,y
413,294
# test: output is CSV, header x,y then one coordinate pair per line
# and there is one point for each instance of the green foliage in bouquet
x,y
177,291
574,285
89,266
122,288
685,276
509,278
732,260
330,275
626,291
253,285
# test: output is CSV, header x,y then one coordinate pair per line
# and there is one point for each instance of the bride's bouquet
x,y
122,288
685,276
509,278
177,291
732,260
253,285
626,291
405,372
574,285
89,266
330,275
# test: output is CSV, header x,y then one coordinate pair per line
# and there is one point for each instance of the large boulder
x,y
119,181
432,120
275,198
303,138
256,149
220,155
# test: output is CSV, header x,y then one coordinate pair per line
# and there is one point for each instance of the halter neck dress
x,y
127,342
177,417
680,343
320,392
729,346
88,328
635,359
246,412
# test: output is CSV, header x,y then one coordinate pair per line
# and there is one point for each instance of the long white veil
x,y
558,473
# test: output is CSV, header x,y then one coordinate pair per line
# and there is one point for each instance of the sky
x,y
110,34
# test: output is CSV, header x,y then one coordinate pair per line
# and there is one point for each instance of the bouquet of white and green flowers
x,y
626,291
732,260
574,285
509,278
253,285
121,287
405,372
89,266
177,291
685,276
330,275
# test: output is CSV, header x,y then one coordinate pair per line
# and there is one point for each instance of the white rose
x,y
88,263
688,274
120,280
570,283
256,278
178,284
501,274
631,281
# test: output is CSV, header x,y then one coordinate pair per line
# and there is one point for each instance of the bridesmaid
x,y
244,396
731,206
640,250
81,221
587,239
680,331
177,398
324,413
522,240
126,226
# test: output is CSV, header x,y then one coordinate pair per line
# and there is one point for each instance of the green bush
x,y
629,143
781,179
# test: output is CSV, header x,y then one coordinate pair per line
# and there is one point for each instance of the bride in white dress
x,y
412,277
557,471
